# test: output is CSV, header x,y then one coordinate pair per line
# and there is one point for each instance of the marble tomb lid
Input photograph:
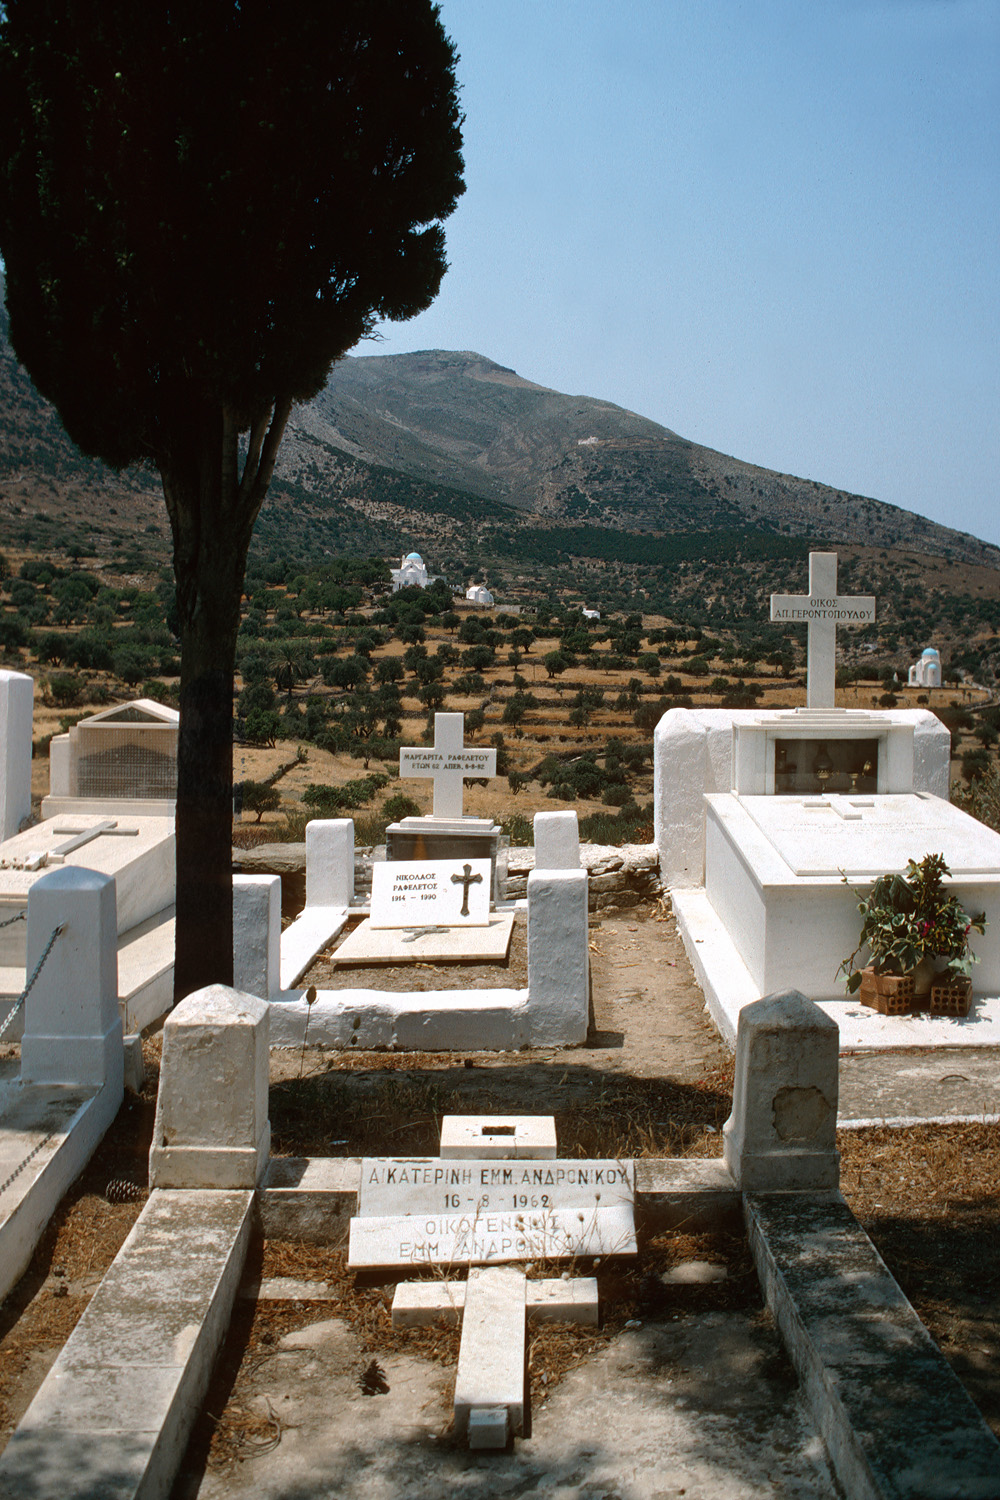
x,y
868,835
28,856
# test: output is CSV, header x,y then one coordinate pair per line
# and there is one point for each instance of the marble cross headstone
x,y
459,1210
822,610
449,763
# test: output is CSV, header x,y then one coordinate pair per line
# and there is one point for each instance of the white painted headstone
x,y
16,702
459,1239
431,893
822,610
449,763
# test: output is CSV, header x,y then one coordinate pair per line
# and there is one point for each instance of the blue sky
x,y
771,226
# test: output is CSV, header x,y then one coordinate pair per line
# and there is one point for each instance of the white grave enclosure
x,y
773,875
138,852
552,1011
128,837
760,814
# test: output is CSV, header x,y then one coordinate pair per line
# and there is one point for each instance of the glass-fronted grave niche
x,y
834,755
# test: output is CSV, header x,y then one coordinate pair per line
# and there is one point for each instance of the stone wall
x,y
619,877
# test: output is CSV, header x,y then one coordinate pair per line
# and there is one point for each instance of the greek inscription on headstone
x,y
431,893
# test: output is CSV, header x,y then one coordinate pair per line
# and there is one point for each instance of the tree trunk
x,y
212,513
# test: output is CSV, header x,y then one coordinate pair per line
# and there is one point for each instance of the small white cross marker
x,y
822,609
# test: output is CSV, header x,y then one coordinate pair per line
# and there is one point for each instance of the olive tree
x,y
203,204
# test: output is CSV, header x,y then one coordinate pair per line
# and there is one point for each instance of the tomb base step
x,y
728,986
48,1133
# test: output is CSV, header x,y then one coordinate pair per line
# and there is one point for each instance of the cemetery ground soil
x,y
653,1080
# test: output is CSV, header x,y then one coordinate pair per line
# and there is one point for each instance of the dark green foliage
x,y
328,799
259,798
64,689
975,763
398,806
202,206
906,918
176,196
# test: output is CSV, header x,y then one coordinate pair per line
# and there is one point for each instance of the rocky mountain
x,y
449,446
459,420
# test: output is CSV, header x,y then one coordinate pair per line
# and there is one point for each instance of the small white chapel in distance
x,y
927,671
760,814
411,573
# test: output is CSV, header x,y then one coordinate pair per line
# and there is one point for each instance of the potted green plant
x,y
917,936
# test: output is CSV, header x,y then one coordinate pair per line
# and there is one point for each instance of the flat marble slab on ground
x,y
371,945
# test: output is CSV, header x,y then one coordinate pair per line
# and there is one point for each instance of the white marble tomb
x,y
137,852
759,815
773,875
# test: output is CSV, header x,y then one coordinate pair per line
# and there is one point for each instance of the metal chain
x,y
7,1020
17,917
30,1156
27,988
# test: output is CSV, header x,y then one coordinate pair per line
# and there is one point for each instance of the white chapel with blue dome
x,y
411,573
927,671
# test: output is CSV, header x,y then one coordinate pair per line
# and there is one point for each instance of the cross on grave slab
x,y
459,1210
465,880
38,860
448,762
83,836
822,610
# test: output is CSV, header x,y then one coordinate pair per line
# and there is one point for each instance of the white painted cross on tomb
x,y
822,610
449,762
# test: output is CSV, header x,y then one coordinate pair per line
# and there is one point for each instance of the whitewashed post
x,y
257,934
558,957
212,1128
72,1027
782,1134
557,841
330,862
16,708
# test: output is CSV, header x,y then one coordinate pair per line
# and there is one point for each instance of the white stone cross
x,y
414,1207
822,609
449,762
39,859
